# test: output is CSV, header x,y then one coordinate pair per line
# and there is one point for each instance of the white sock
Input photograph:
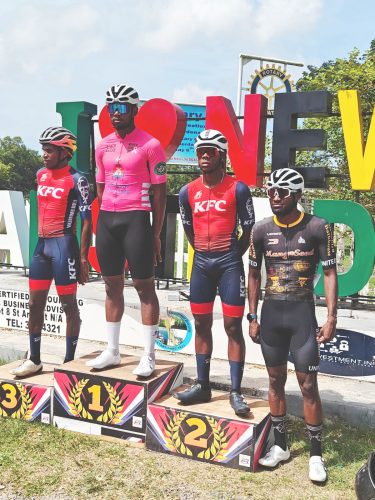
x,y
113,333
150,333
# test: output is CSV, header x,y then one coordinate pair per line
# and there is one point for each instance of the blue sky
x,y
179,50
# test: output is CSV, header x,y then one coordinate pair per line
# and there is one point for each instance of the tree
x,y
18,165
357,72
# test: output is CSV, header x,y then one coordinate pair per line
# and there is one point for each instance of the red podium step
x,y
210,432
111,402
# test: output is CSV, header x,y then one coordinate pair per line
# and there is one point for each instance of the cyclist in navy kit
x,y
292,243
62,194
212,207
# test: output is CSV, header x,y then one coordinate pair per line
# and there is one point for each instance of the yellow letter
x,y
361,157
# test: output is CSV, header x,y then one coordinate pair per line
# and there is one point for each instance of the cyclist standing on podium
x,y
212,207
130,162
62,193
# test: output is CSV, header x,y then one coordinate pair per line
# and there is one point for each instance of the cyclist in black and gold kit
x,y
292,243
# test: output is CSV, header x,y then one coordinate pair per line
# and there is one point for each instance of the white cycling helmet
x,y
286,178
122,93
59,136
211,138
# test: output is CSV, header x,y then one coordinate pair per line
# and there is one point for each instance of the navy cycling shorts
x,y
55,258
217,271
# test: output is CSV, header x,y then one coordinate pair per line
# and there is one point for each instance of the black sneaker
x,y
239,404
195,394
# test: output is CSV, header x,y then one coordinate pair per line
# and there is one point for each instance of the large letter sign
x,y
14,232
361,158
246,151
360,221
287,139
76,116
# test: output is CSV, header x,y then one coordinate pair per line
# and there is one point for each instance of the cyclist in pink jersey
x,y
130,162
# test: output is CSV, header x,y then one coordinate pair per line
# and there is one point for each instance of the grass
x,y
41,461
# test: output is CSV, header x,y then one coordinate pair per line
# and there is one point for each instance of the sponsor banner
x,y
350,354
25,401
14,312
185,154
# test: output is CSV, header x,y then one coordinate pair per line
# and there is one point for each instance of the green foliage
x,y
177,180
356,72
18,165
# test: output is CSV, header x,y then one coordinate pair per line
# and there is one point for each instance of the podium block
x,y
28,398
210,432
111,402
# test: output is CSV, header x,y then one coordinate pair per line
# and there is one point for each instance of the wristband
x,y
252,317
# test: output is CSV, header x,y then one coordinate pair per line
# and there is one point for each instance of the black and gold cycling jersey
x,y
291,254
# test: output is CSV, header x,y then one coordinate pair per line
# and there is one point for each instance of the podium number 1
x,y
95,405
194,438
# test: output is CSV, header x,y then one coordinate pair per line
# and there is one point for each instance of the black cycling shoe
x,y
195,394
239,404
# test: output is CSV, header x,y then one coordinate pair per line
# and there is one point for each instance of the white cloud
x,y
276,18
50,36
177,23
191,93
248,22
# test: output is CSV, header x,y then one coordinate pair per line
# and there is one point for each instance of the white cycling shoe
x,y
274,456
104,360
146,366
28,367
317,469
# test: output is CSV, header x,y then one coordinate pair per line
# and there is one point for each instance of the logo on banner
x,y
270,80
175,332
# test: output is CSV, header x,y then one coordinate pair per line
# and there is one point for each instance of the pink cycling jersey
x,y
128,167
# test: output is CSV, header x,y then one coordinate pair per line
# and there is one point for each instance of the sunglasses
x,y
281,192
120,107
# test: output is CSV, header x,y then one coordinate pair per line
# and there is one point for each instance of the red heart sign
x,y
160,118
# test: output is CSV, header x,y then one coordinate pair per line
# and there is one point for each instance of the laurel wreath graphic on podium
x,y
175,440
75,407
25,409
111,416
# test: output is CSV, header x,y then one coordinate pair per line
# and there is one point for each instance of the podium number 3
x,y
10,401
194,438
95,405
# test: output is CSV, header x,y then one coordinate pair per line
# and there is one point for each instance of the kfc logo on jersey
x,y
198,195
72,269
84,188
206,205
44,177
50,190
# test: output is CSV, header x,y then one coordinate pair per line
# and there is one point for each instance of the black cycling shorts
x,y
122,236
289,326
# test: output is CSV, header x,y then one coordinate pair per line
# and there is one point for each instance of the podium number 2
x,y
10,401
194,438
95,405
